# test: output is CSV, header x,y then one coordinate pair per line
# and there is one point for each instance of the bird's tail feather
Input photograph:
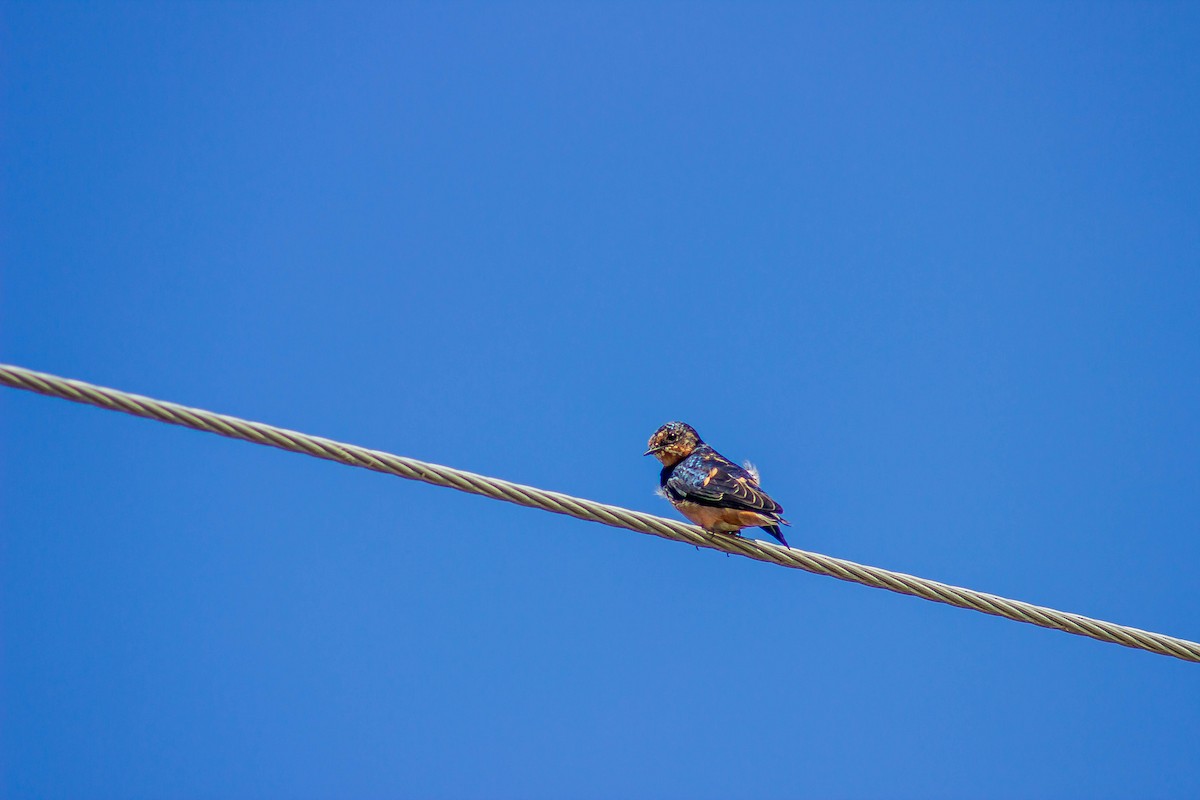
x,y
778,534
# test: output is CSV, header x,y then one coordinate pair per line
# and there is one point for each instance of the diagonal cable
x,y
260,433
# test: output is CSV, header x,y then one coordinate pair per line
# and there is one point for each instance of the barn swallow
x,y
708,488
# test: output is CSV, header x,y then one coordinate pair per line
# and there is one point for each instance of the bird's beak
x,y
652,451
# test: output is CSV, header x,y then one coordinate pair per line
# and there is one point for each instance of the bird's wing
x,y
716,481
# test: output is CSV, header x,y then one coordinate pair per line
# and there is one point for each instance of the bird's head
x,y
673,442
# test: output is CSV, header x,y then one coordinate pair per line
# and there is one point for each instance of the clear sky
x,y
934,268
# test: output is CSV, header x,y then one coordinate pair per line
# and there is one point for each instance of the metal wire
x,y
259,433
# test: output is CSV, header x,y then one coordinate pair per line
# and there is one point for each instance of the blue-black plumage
x,y
709,489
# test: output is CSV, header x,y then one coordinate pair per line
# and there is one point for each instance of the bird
x,y
708,488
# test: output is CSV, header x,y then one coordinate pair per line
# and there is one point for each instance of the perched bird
x,y
708,488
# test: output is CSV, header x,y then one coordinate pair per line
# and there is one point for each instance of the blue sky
x,y
934,268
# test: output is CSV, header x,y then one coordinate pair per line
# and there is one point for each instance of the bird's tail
x,y
778,534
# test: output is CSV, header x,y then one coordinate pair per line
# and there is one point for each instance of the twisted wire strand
x,y
260,433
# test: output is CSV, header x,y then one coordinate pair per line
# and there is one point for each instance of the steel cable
x,y
260,433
